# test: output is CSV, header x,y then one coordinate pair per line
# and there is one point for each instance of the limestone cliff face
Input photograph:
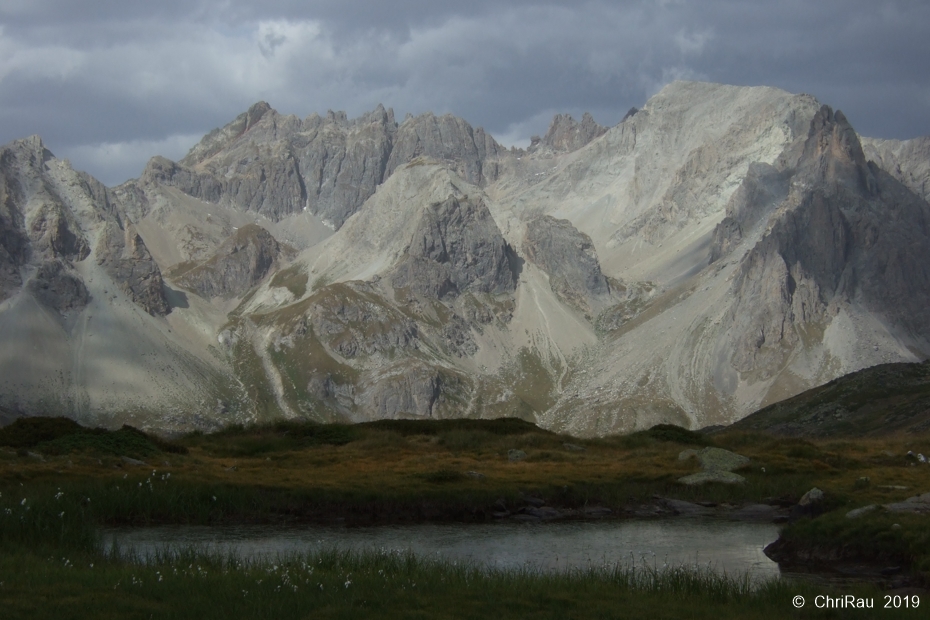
x,y
763,187
240,263
122,253
35,223
470,153
568,256
14,245
57,287
50,216
406,391
845,232
566,134
279,165
342,161
456,247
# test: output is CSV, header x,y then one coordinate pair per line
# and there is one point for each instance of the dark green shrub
x,y
29,432
63,436
126,441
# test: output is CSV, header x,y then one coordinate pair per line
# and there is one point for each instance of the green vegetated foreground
x,y
59,483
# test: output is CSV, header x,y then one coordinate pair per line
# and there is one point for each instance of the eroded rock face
x,y
469,152
413,391
270,184
220,138
13,242
34,222
160,170
58,288
566,134
840,235
324,387
54,231
568,256
47,214
123,255
353,321
763,187
342,162
456,247
279,165
240,263
458,337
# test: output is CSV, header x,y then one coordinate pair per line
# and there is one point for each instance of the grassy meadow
x,y
59,484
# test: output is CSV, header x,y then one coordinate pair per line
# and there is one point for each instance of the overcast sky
x,y
109,83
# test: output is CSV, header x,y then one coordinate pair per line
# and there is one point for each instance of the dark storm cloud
x,y
109,83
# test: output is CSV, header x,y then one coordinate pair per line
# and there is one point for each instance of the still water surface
x,y
734,548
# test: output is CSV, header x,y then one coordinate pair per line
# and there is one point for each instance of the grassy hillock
x,y
60,435
874,402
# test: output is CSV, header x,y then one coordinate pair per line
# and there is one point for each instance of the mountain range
x,y
719,250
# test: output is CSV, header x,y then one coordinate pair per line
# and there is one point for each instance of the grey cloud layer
x,y
103,81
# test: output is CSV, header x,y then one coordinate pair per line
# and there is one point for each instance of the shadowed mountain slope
x,y
84,312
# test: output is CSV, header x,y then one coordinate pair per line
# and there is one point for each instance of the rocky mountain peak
x,y
566,134
223,137
456,246
52,217
35,147
255,113
834,154
449,139
281,166
379,115
339,117
831,241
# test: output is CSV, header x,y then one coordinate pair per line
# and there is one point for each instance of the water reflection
x,y
734,548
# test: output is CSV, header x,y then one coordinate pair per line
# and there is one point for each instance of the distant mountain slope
x,y
83,307
876,401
